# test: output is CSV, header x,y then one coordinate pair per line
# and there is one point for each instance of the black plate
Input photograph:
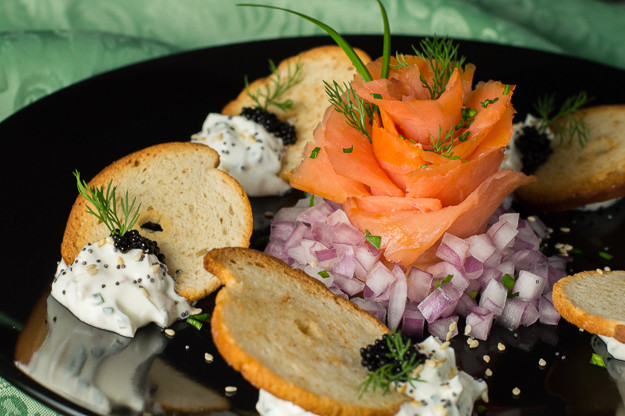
x,y
92,123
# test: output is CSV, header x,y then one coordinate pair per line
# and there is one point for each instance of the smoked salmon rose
x,y
428,163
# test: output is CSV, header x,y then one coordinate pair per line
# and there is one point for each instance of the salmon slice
x,y
453,182
420,119
493,106
406,235
317,176
393,204
351,155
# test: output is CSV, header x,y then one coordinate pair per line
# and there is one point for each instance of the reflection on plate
x,y
76,369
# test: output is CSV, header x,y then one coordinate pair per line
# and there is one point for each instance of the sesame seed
x,y
467,329
501,347
474,343
170,332
565,229
92,269
486,358
542,362
208,358
120,261
230,390
516,391
488,372
600,271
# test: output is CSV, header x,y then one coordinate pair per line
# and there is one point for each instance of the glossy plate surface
x,y
90,124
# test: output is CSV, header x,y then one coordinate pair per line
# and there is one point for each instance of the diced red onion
x,y
349,285
346,265
374,308
453,250
548,314
529,286
288,214
318,212
502,232
481,247
440,303
321,239
397,299
512,313
530,314
441,327
413,322
464,305
281,230
419,284
480,321
379,279
494,297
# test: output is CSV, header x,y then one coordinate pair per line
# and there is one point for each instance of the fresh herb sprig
x,y
358,113
270,94
441,56
566,121
443,145
403,360
104,203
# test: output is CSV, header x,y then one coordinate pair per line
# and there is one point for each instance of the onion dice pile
x,y
499,276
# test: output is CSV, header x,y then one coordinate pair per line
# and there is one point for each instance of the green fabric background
x,y
46,45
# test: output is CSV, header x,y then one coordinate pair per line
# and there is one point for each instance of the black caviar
x,y
383,352
271,123
534,147
132,239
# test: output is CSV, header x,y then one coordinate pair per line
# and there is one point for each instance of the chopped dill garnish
x,y
443,145
348,149
269,94
324,274
358,113
565,122
605,256
441,56
105,206
596,359
441,282
401,61
374,240
315,152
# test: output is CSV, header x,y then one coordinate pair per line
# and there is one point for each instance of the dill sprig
x,y
566,122
441,56
403,359
270,94
104,203
443,145
358,113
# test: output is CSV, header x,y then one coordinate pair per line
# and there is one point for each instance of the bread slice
x,y
573,175
289,335
594,301
197,206
324,63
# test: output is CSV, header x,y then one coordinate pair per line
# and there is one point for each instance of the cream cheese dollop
x,y
441,388
117,291
616,348
247,152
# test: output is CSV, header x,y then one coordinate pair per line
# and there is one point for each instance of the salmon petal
x,y
406,235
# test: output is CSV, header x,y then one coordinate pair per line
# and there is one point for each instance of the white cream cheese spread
x,y
616,348
247,152
117,291
441,388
